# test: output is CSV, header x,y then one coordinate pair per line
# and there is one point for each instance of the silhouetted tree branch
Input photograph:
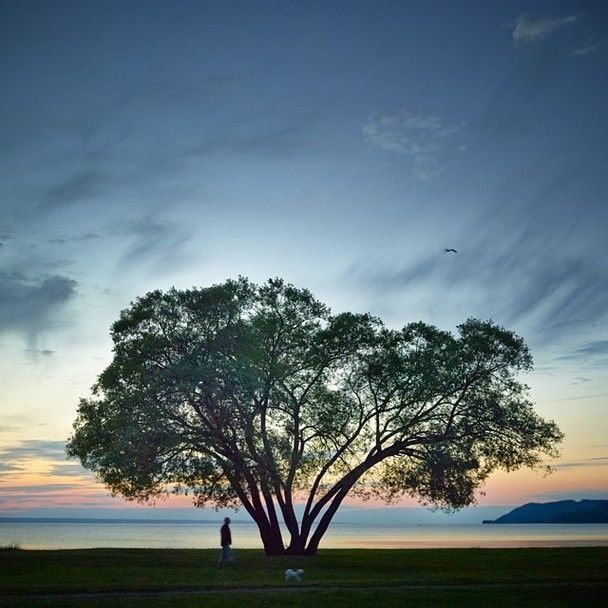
x,y
258,396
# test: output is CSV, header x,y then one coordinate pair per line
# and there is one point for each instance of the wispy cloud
x,y
46,488
65,483
587,48
68,470
4,237
151,241
274,143
571,495
528,29
578,398
146,240
69,497
508,284
29,305
14,459
34,448
83,185
595,347
422,138
599,461
87,236
43,352
590,352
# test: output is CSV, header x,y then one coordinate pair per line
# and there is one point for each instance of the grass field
x,y
334,578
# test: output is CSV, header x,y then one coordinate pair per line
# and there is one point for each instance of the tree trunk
x,y
273,542
271,537
313,544
302,542
297,546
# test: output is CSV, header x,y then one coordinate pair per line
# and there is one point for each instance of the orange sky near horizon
x,y
40,484
34,472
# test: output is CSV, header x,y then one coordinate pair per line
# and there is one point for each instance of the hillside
x,y
560,512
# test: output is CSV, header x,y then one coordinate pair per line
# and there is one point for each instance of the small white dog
x,y
293,575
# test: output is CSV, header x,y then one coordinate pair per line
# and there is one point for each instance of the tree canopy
x,y
258,396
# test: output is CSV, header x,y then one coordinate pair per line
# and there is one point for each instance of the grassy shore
x,y
334,578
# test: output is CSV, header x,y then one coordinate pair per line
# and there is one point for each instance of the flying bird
x,y
449,250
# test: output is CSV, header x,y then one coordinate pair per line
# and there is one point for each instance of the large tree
x,y
257,396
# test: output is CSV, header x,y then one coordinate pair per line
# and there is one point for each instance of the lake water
x,y
72,535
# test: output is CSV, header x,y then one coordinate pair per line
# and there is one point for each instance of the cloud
x,y
43,352
595,347
528,29
11,459
68,470
4,240
587,48
47,488
145,241
29,305
152,241
423,138
276,143
9,468
87,236
84,184
23,497
598,461
589,351
513,282
34,448
571,495
583,397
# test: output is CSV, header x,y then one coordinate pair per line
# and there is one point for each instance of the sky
x,y
340,145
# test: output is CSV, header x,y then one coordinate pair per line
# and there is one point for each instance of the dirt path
x,y
289,589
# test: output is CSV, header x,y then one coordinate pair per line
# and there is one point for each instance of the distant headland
x,y
560,512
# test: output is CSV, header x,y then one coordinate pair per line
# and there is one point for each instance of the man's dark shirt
x,y
225,535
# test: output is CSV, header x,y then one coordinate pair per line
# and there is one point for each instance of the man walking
x,y
226,555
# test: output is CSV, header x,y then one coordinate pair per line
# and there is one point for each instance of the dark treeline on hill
x,y
561,512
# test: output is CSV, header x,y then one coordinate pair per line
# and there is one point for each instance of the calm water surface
x,y
72,535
